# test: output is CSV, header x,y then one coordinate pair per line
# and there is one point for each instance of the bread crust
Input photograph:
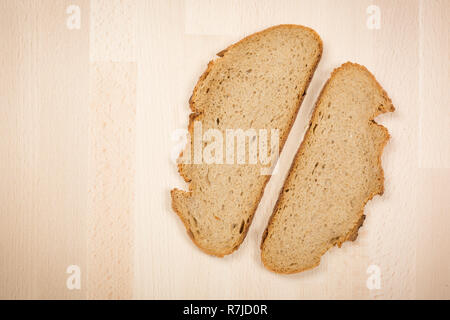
x,y
197,115
353,233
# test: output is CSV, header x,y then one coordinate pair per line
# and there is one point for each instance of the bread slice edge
x,y
196,114
352,234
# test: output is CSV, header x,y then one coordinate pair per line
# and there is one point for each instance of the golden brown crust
x,y
353,233
196,115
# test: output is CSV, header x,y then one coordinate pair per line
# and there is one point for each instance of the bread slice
x,y
258,82
336,170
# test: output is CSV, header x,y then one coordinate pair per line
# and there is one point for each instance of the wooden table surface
x,y
92,94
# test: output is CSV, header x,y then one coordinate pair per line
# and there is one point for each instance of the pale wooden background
x,y
86,124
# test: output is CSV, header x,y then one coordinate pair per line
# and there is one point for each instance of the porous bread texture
x,y
336,170
259,83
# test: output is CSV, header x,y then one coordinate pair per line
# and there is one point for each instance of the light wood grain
x,y
87,119
434,54
43,145
111,180
112,115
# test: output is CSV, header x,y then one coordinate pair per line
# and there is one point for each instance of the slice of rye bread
x,y
336,170
258,82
